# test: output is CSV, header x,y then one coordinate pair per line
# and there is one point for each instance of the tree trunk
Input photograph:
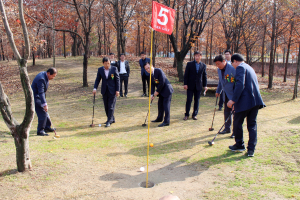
x,y
211,42
180,68
288,52
272,56
263,53
64,38
33,58
2,50
297,76
176,36
153,49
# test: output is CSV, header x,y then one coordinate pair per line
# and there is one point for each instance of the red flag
x,y
162,18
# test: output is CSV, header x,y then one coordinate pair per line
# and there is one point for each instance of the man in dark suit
x,y
39,87
164,90
109,89
225,88
124,71
144,73
246,102
195,78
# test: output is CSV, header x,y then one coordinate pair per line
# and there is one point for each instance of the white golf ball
x,y
142,169
99,125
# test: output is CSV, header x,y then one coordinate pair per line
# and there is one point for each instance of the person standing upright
x,y
112,59
164,91
228,61
246,102
124,71
39,87
195,78
228,56
109,89
225,88
144,73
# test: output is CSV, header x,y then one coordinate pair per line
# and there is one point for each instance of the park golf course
x,y
104,163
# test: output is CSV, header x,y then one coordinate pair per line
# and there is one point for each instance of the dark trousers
x,y
221,101
164,104
227,112
43,118
123,78
109,101
190,94
238,121
145,79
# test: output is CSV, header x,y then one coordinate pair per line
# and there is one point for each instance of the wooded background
x,y
266,32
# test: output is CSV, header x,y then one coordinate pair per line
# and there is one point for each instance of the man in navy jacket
x,y
164,90
226,84
144,73
195,78
109,89
246,102
39,87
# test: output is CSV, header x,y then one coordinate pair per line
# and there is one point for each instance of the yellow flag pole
x,y
149,108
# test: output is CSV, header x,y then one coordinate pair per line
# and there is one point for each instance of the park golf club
x,y
144,124
212,123
55,136
92,125
212,142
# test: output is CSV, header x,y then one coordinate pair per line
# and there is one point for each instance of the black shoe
x,y
156,120
235,147
144,95
121,95
107,125
50,129
163,124
225,131
42,133
194,118
232,135
220,108
250,153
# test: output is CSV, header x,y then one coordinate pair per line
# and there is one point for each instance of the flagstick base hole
x,y
143,184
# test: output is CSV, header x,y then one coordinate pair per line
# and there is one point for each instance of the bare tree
x,y
20,132
196,14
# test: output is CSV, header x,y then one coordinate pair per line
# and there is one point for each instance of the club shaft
x,y
212,123
148,113
223,125
93,109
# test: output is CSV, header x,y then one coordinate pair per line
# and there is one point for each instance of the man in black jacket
x,y
124,71
164,90
195,78
109,89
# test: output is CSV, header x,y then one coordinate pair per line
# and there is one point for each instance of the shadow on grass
x,y
165,147
8,172
295,120
176,171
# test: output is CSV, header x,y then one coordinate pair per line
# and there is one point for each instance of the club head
x,y
211,143
57,136
144,125
92,125
211,129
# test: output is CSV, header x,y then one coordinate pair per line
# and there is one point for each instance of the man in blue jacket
x,y
246,102
39,87
144,73
226,84
164,90
110,88
195,78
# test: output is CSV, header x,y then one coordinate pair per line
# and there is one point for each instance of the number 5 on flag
x,y
162,18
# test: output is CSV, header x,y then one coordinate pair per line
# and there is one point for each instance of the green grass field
x,y
104,163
